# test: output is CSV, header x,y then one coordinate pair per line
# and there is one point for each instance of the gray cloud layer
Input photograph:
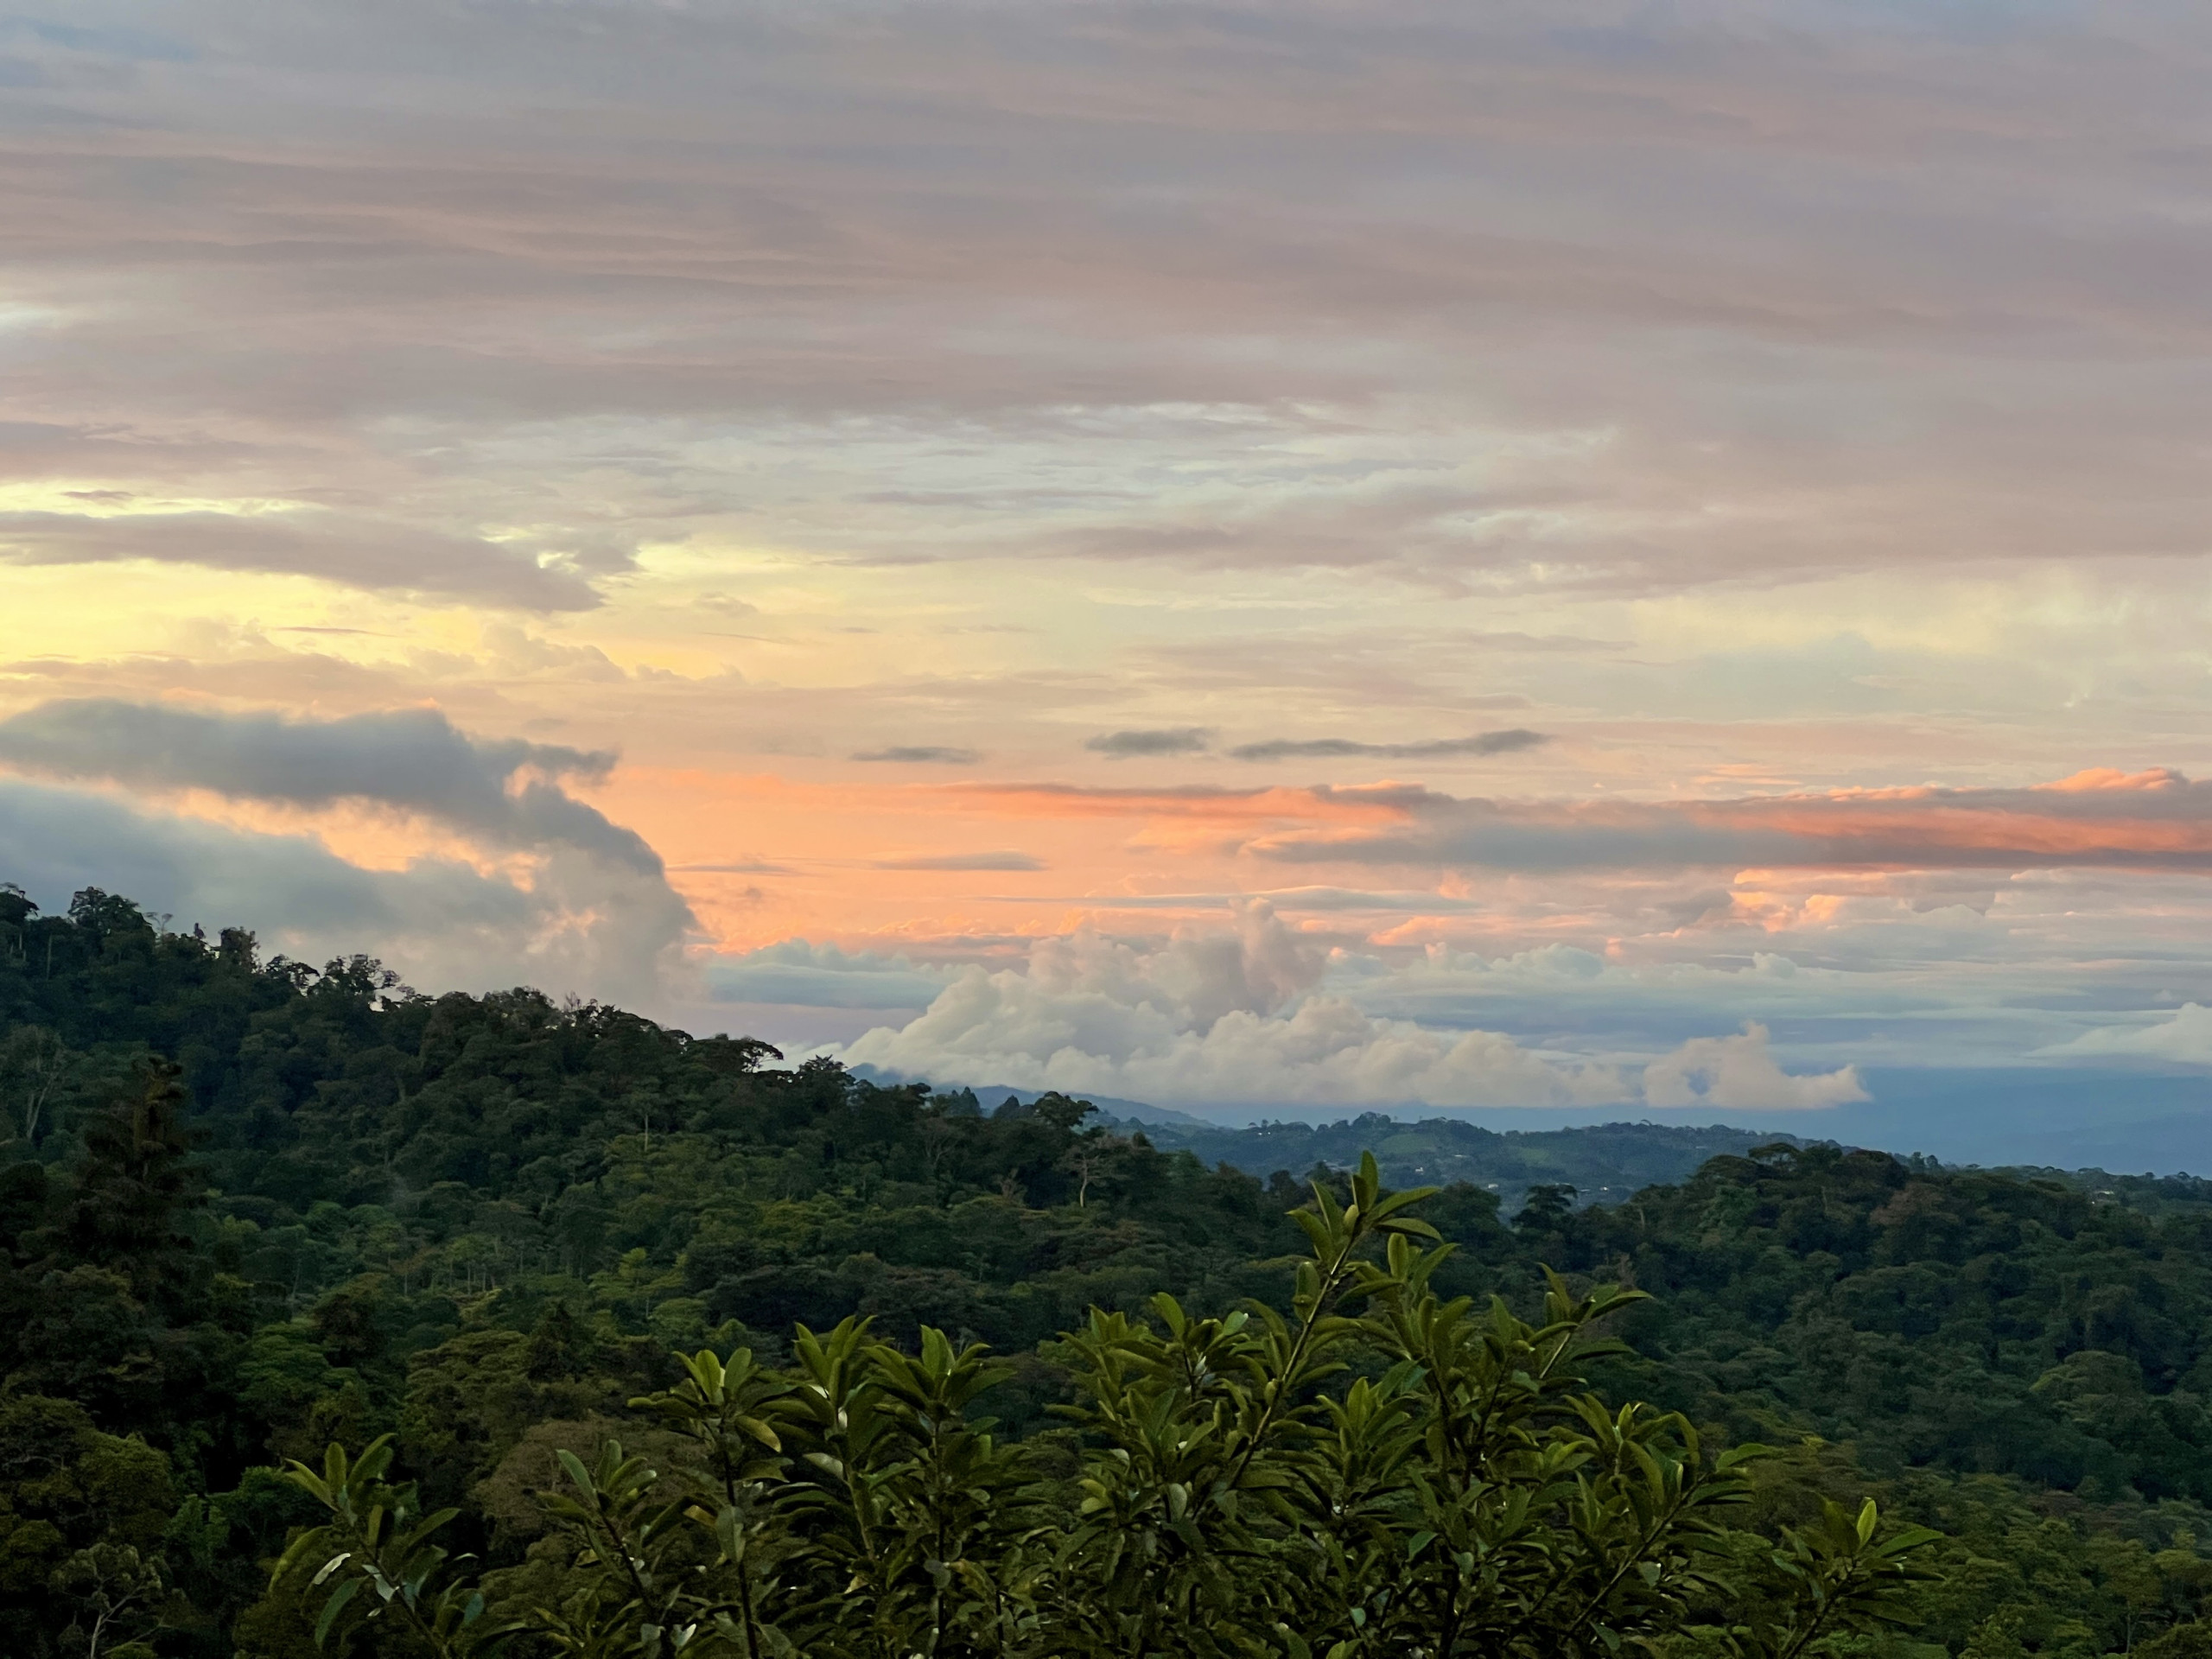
x,y
1292,367
581,924
595,914
999,860
1755,291
1124,745
411,758
357,550
922,754
1330,748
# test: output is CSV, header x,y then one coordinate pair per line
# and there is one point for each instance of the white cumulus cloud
x,y
1227,1016
1740,1072
2186,1038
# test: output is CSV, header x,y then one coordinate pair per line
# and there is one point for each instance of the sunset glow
x,y
1266,556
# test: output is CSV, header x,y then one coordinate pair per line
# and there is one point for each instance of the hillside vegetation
x,y
251,1209
1604,1163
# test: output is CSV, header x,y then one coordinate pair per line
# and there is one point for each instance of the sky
x,y
1575,558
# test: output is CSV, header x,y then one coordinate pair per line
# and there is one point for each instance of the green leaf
x,y
576,1472
335,1605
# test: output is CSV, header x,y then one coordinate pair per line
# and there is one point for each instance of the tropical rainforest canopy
x,y
340,1318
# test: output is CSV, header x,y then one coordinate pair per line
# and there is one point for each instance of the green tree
x,y
120,1596
70,1497
1380,1471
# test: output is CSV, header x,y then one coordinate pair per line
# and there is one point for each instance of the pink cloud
x,y
2157,819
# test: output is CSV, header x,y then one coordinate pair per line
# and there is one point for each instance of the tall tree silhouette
x,y
127,1197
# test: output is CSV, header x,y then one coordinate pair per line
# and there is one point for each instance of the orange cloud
x,y
2157,820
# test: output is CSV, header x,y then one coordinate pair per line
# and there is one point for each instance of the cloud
x,y
924,754
2186,1038
998,860
1123,745
1212,1015
356,551
1243,1017
1740,1074
1739,295
504,791
1330,748
574,923
1324,1051
2157,819
1810,397
595,904
1856,967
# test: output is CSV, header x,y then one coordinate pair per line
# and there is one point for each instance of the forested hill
x,y
1604,1163
248,1207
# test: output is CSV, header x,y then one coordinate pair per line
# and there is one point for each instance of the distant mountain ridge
x,y
1603,1163
989,1095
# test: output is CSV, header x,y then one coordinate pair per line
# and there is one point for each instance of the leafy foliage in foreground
x,y
481,1225
1243,1489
